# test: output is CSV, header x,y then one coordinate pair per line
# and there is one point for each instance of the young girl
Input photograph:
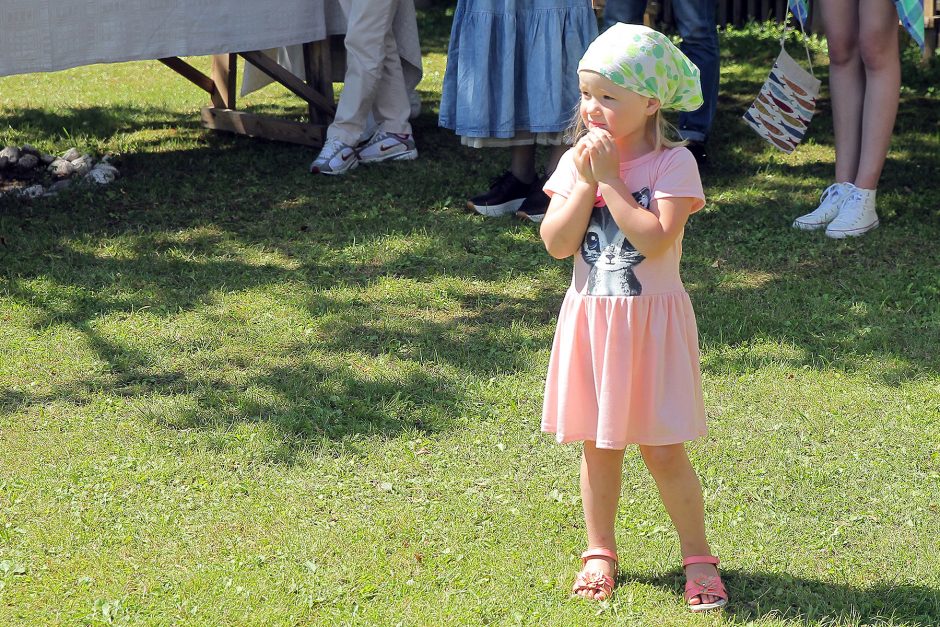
x,y
511,83
624,367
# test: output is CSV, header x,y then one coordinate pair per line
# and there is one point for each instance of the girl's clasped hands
x,y
596,157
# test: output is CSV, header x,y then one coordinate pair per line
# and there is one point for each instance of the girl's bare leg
x,y
681,492
846,82
554,156
522,165
878,46
601,471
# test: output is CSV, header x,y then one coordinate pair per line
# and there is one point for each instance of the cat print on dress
x,y
611,255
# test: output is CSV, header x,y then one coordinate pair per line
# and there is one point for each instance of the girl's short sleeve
x,y
678,177
563,178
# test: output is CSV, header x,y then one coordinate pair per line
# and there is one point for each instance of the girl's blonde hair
x,y
664,134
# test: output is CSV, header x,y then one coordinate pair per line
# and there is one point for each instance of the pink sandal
x,y
711,585
595,581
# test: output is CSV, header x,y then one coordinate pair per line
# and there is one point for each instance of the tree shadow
x,y
229,194
763,596
846,304
475,341
100,122
310,405
182,217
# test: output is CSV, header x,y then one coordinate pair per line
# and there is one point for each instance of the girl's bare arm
x,y
649,234
567,219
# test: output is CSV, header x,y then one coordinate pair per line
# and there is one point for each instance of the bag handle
x,y
783,38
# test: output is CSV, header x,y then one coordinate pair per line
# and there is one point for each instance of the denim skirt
x,y
512,65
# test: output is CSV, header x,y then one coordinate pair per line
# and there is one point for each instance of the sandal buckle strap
x,y
700,559
599,553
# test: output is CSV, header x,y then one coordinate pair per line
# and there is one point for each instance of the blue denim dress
x,y
512,65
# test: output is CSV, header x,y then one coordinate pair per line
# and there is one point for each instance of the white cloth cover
x,y
45,36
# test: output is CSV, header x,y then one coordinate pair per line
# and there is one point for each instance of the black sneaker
x,y
505,195
535,205
698,151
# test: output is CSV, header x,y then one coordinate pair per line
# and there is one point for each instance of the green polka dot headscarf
x,y
646,62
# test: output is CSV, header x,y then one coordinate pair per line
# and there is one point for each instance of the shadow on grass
x,y
367,372
758,596
480,340
97,122
435,24
838,304
182,222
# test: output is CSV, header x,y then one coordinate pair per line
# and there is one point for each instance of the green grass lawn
x,y
232,393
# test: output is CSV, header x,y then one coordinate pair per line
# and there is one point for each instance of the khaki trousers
x,y
374,81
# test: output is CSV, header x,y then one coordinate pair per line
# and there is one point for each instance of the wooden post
x,y
189,73
288,80
224,72
318,68
252,125
930,28
223,116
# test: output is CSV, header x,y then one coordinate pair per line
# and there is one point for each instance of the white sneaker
x,y
857,215
828,208
335,158
388,147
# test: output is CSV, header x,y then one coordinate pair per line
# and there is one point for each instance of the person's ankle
x,y
525,177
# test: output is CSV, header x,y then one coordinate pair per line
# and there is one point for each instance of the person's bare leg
x,y
878,36
522,165
601,471
681,493
846,83
554,156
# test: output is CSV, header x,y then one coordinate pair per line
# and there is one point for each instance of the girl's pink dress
x,y
624,366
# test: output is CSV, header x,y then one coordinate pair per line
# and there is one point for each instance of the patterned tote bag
x,y
787,101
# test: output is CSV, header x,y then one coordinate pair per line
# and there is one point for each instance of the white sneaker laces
x,y
857,197
335,146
